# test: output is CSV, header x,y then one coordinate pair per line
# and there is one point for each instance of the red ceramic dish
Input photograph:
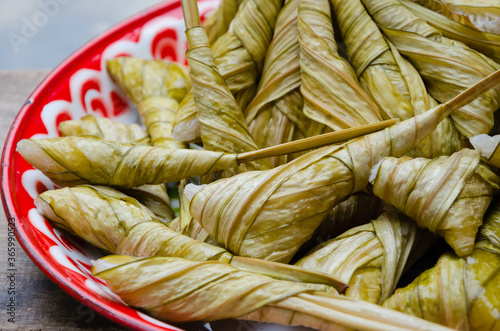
x,y
80,86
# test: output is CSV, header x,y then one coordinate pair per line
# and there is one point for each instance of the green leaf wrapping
x,y
119,224
447,195
222,124
269,214
484,42
238,56
76,160
116,223
331,90
178,290
217,23
370,257
104,128
154,197
461,293
275,114
479,15
155,87
447,66
392,82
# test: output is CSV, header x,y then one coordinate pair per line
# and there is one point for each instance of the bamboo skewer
x,y
316,141
191,15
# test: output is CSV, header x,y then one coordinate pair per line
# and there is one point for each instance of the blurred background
x,y
41,33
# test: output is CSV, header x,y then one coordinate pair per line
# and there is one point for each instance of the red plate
x,y
79,86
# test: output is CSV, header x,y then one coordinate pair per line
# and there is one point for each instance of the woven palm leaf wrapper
x,y
179,290
218,21
447,66
156,87
275,114
392,81
269,214
119,224
76,160
484,42
461,293
238,56
370,257
482,15
331,90
447,195
222,124
155,197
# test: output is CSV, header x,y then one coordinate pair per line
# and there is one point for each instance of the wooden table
x,y
40,304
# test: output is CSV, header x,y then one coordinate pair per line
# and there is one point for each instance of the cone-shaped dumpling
x,y
154,197
269,214
76,160
447,66
179,290
275,114
389,79
447,195
238,56
331,90
222,124
119,224
104,128
370,257
156,87
461,293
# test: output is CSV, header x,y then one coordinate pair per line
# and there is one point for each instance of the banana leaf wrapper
x,y
275,115
484,42
178,290
391,80
448,66
217,23
222,124
447,195
332,94
270,214
104,128
152,196
478,15
461,293
119,224
155,87
70,161
370,257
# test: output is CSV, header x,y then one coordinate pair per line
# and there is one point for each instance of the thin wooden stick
x,y
316,141
474,91
191,15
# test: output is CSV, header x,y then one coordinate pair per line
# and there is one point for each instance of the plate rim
x,y
9,150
